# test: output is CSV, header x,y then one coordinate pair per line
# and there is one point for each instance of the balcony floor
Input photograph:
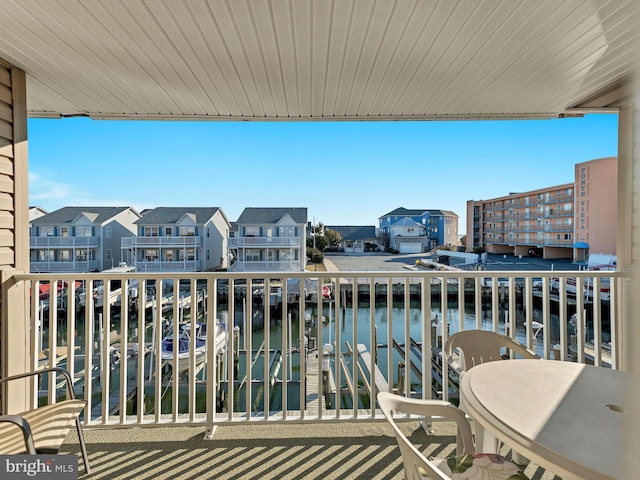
x,y
363,450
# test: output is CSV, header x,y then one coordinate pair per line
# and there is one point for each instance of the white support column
x,y
628,246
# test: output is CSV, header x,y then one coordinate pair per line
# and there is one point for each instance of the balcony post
x,y
15,349
16,354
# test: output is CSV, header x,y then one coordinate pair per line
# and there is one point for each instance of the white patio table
x,y
569,418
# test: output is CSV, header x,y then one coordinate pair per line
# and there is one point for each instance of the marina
x,y
265,362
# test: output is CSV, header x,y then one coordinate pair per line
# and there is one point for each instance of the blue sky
x,y
345,173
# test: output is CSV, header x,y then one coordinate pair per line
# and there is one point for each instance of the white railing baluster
x,y
511,304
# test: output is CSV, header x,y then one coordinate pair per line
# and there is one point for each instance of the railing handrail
x,y
336,274
358,367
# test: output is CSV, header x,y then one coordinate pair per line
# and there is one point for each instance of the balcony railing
x,y
283,352
63,241
58,267
159,241
264,242
266,266
168,266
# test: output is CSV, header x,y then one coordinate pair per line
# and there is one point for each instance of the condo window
x,y
46,231
150,255
252,231
189,254
288,232
108,255
83,231
252,255
285,255
150,231
187,231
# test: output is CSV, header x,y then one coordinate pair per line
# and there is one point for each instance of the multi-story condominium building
x,y
418,230
564,221
269,239
182,239
80,239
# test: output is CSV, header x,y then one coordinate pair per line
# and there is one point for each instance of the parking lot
x,y
394,262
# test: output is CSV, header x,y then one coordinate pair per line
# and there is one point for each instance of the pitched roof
x,y
405,212
64,215
267,215
403,222
169,215
448,213
401,211
354,232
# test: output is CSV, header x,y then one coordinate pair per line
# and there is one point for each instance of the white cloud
x,y
41,188
52,194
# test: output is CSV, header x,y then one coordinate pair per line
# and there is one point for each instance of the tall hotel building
x,y
564,221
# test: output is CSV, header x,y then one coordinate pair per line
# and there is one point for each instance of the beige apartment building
x,y
564,221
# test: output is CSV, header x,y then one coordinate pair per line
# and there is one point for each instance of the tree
x,y
333,237
316,256
321,242
317,229
384,239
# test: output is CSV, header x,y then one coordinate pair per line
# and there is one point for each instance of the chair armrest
x,y
431,408
24,427
65,373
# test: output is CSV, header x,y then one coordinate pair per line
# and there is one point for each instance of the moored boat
x,y
184,343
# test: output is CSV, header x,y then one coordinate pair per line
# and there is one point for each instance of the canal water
x,y
331,325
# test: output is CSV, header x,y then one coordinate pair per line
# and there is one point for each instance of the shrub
x,y
315,255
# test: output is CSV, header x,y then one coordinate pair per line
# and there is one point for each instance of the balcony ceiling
x,y
321,60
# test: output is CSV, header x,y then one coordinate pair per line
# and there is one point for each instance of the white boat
x,y
184,343
115,295
605,282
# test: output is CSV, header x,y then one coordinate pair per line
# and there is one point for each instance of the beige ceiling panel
x,y
317,59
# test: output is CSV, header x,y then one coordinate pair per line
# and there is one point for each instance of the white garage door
x,y
410,248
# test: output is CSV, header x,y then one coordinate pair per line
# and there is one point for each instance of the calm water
x,y
323,332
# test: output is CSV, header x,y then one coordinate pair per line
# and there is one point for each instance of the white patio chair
x,y
474,347
466,464
42,429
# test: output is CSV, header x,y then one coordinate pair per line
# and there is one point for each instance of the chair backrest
x,y
416,465
480,346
